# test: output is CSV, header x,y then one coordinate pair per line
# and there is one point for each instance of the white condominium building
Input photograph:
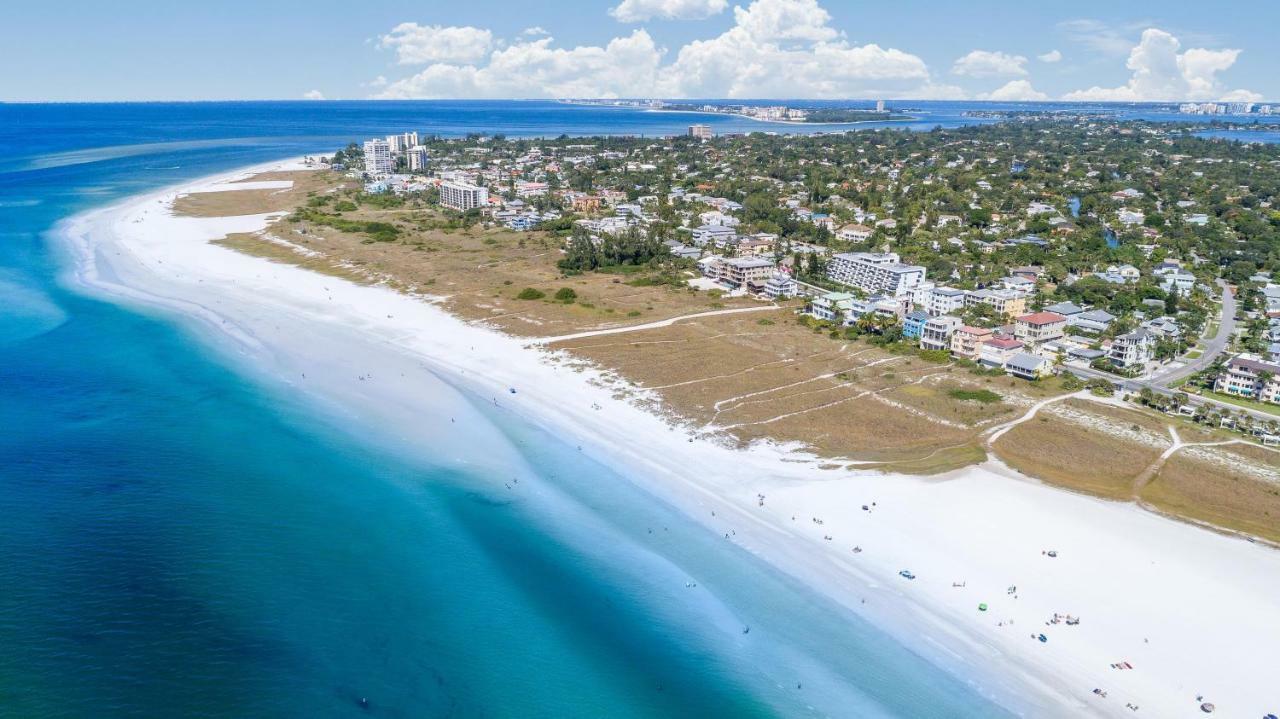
x,y
418,158
377,158
875,272
402,142
461,196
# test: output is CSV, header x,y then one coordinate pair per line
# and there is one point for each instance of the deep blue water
x,y
1271,136
180,539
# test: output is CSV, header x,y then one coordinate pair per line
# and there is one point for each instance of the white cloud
x,y
983,63
534,31
1050,57
1015,91
775,48
627,66
379,81
1098,37
1161,73
772,20
641,10
421,44
313,95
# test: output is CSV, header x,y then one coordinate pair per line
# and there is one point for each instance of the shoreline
x,y
171,265
745,117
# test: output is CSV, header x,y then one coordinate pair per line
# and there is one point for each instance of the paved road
x,y
1134,386
1215,346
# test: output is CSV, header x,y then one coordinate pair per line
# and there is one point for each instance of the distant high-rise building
x,y
401,143
377,157
417,158
461,196
702,132
879,105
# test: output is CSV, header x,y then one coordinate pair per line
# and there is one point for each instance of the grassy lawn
x,y
1242,402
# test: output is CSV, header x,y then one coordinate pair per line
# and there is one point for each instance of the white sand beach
x,y
1185,612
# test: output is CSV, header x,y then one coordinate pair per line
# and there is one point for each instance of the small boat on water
x,y
906,574
982,607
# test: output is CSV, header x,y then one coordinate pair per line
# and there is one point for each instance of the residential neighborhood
x,y
872,236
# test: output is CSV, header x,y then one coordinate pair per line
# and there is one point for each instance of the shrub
x,y
985,396
938,356
530,293
566,295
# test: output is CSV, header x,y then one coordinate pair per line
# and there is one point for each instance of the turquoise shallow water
x,y
178,538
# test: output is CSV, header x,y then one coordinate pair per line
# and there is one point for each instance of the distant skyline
x,y
794,49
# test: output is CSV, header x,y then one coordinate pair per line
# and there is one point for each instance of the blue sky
x,y
267,49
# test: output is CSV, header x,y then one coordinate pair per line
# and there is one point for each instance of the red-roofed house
x,y
1039,327
995,352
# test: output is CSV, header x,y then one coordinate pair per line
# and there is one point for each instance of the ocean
x,y
179,538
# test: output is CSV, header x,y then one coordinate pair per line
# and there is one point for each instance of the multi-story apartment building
x,y
377,158
462,196
875,272
1037,328
702,132
418,158
1008,303
736,272
1248,376
938,301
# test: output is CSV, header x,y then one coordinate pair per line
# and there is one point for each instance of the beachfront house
x,y
913,324
936,332
1028,366
831,307
781,286
995,352
1038,328
966,340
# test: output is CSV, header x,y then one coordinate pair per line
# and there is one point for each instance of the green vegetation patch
x,y
985,396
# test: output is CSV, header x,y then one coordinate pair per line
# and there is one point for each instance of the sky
x,y
1127,50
